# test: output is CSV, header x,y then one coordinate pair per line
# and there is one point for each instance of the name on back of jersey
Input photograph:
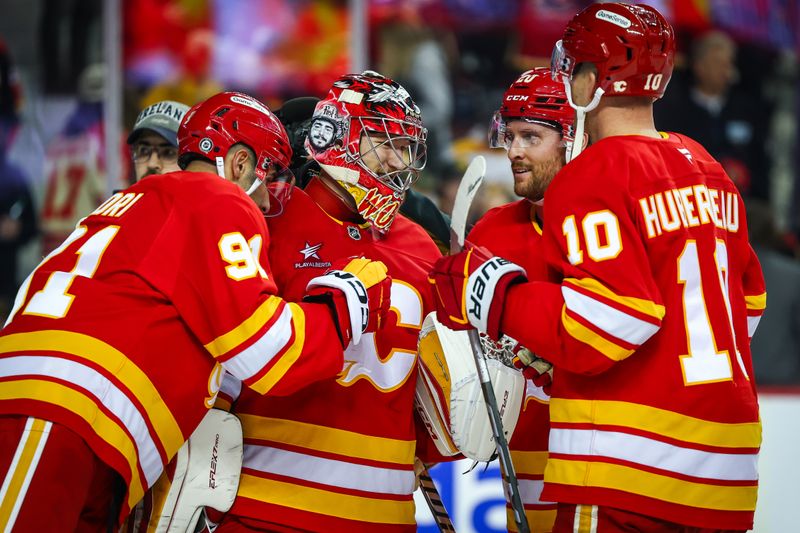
x,y
118,204
687,207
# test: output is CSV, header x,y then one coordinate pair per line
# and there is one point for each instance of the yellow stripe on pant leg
x,y
25,461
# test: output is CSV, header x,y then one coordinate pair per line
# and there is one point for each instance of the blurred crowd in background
x,y
735,90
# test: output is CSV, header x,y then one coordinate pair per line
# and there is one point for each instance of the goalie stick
x,y
434,501
470,182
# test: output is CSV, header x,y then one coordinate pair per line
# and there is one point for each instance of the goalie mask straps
x,y
580,117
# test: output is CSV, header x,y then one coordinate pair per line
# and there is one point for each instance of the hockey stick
x,y
434,501
469,185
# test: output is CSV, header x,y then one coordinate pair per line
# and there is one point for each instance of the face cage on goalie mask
x,y
389,132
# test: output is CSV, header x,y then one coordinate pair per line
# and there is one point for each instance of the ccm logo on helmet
x,y
519,97
613,18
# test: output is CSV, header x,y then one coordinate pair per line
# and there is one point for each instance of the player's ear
x,y
585,140
241,162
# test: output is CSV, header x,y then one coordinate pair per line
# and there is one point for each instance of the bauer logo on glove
x,y
470,287
358,294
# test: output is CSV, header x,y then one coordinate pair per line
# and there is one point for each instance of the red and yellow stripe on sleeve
x,y
612,324
755,309
262,349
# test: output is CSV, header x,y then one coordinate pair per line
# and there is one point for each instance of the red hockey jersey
x,y
653,406
338,456
122,332
511,231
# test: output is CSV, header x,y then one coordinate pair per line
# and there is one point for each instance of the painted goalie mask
x,y
367,135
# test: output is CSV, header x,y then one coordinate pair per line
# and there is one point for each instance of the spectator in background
x,y
776,344
154,139
729,123
18,223
17,215
419,57
75,163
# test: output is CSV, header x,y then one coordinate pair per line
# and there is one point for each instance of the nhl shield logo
x,y
354,233
206,145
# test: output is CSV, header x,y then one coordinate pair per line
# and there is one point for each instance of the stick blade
x,y
467,189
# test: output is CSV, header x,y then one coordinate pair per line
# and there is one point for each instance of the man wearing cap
x,y
154,139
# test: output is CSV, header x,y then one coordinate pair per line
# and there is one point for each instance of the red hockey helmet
x,y
369,108
534,97
210,128
632,46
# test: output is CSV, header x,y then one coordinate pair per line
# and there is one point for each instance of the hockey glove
x,y
534,368
358,293
470,287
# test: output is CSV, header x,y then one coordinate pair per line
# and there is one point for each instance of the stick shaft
x,y
434,501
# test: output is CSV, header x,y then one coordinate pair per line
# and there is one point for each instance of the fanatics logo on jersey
x,y
310,252
354,233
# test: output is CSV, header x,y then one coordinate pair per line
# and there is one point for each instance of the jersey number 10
x,y
704,363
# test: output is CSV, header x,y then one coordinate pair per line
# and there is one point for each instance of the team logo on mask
x,y
380,209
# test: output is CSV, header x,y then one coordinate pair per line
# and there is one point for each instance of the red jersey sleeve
x,y
755,293
223,291
608,303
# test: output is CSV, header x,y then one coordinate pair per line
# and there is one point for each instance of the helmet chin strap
x,y
220,163
580,116
220,166
256,184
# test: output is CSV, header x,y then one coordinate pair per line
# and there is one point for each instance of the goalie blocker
x,y
449,398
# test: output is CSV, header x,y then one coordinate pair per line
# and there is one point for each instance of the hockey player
x,y
117,341
654,415
154,138
535,125
296,116
339,456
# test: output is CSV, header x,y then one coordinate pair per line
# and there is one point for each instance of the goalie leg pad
x,y
207,471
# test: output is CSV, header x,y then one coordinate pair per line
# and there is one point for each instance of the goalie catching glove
x,y
470,287
358,294
449,398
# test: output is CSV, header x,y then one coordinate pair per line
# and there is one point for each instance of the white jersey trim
x,y
617,323
649,452
254,358
106,393
531,491
329,472
752,324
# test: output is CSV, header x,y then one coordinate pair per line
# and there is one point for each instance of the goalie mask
x,y
534,98
367,135
210,128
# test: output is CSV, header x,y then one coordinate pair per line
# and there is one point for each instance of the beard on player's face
x,y
531,178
